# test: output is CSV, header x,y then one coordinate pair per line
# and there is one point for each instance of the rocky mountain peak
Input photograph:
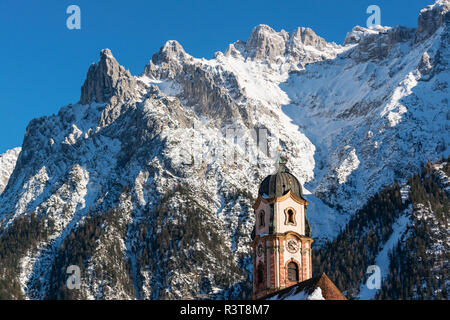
x,y
168,61
376,43
307,37
261,31
105,79
432,18
106,53
172,50
357,33
265,43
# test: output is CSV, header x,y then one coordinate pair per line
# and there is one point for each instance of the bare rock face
x,y
376,43
304,44
205,86
202,88
432,18
105,79
355,35
168,62
307,37
266,43
172,50
425,64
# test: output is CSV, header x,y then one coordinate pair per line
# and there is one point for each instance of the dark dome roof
x,y
280,183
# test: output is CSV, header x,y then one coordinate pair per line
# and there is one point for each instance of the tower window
x,y
262,218
292,271
260,273
290,216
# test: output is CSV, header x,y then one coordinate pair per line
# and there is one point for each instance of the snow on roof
x,y
317,288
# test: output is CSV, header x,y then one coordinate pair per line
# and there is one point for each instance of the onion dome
x,y
280,183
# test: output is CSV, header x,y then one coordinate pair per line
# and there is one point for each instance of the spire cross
x,y
280,163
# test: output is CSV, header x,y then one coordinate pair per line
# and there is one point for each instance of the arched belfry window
x,y
262,218
290,216
260,273
292,271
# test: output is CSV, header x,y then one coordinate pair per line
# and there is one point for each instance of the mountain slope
x,y
404,231
7,164
375,113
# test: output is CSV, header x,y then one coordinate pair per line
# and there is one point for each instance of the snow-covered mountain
x,y
147,182
7,164
404,230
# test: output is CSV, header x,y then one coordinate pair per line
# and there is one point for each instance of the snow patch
x,y
382,260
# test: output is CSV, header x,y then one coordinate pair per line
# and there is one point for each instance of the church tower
x,y
281,242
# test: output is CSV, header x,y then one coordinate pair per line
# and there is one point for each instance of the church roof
x,y
278,184
317,288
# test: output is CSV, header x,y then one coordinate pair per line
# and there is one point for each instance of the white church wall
x,y
281,217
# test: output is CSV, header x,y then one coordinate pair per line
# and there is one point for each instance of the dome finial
x,y
281,181
281,160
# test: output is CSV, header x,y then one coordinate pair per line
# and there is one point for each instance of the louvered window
x,y
292,271
291,218
260,273
262,218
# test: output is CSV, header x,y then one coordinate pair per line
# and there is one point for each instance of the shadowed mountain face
x,y
147,182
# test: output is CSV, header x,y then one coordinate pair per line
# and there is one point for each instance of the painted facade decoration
x,y
282,239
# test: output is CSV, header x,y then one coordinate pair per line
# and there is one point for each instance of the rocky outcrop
x,y
213,89
168,62
306,37
355,36
376,43
201,88
265,44
425,64
432,18
105,79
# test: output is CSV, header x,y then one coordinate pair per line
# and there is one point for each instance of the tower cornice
x,y
282,235
289,194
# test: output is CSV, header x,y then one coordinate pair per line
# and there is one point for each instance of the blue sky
x,y
44,64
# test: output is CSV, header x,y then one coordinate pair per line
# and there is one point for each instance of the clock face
x,y
292,245
260,250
